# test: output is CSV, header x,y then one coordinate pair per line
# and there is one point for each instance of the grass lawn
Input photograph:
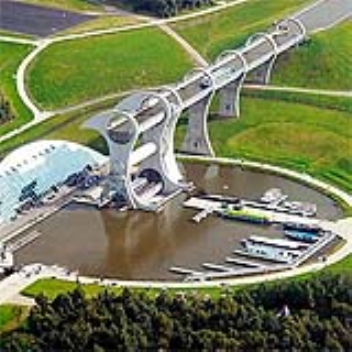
x,y
293,134
342,267
11,316
102,22
306,138
65,126
10,57
325,62
74,71
53,287
211,34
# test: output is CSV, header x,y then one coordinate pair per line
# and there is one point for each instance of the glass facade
x,y
32,170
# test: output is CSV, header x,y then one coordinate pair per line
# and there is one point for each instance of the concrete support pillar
x,y
229,99
229,94
262,74
119,175
197,138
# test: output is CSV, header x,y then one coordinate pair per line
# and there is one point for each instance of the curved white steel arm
x,y
224,58
158,110
268,37
299,24
174,92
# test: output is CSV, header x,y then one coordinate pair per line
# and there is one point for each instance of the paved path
x,y
324,14
334,93
21,300
18,40
21,81
193,53
11,286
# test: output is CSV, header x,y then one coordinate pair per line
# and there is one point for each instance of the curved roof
x,y
40,165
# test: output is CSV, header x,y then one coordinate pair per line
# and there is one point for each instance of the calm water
x,y
139,245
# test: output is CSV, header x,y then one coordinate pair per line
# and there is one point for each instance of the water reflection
x,y
143,245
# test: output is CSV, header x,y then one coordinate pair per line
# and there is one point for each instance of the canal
x,y
140,245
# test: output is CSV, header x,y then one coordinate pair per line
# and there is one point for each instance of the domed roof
x,y
40,166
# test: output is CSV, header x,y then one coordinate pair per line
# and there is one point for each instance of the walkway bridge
x,y
140,129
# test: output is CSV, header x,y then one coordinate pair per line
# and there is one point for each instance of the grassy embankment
x,y
10,57
102,22
62,126
53,287
70,72
323,63
11,316
303,137
226,29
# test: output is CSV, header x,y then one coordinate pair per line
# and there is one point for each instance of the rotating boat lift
x,y
139,131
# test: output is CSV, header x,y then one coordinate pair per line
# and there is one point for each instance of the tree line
x,y
302,315
162,8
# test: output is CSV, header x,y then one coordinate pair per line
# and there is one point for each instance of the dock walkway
x,y
244,262
272,215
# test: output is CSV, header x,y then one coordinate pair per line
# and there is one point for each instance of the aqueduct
x,y
140,130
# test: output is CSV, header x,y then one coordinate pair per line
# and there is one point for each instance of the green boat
x,y
243,215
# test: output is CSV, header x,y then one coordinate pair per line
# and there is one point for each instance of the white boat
x,y
269,252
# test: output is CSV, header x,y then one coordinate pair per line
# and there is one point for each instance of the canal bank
x,y
335,193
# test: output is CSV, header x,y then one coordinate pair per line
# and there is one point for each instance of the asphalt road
x,y
324,14
36,20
